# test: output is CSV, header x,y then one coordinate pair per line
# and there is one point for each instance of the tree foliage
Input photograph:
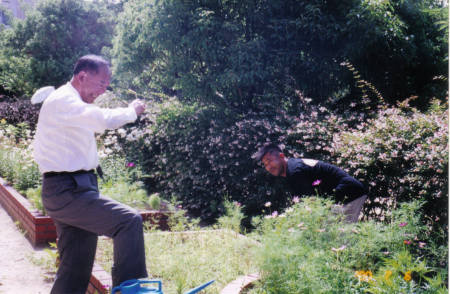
x,y
42,49
243,54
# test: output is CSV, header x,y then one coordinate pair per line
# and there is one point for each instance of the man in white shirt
x,y
66,152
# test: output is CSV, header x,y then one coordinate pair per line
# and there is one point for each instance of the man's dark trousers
x,y
81,214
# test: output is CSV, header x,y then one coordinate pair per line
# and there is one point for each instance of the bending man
x,y
305,176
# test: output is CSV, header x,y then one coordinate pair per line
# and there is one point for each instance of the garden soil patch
x,y
18,274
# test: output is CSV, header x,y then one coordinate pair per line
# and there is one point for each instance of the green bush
x,y
131,194
403,155
154,201
232,217
308,249
17,165
34,196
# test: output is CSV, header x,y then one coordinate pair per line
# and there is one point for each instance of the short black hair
x,y
91,63
267,148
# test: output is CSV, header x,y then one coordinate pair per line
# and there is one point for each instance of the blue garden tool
x,y
136,287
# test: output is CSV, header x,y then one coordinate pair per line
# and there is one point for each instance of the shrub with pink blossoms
x,y
403,155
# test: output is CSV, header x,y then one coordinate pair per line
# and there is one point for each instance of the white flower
x,y
122,132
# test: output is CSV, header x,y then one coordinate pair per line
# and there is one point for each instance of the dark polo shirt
x,y
333,180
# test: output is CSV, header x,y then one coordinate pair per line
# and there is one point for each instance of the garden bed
x,y
39,228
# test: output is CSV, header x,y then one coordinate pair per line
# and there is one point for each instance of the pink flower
x,y
407,242
296,199
237,204
338,249
317,182
130,164
402,224
275,213
422,244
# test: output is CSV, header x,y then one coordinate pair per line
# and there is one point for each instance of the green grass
x,y
184,260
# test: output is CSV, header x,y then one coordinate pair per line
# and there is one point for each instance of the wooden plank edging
x,y
240,284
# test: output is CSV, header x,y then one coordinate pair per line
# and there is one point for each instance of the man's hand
x,y
138,106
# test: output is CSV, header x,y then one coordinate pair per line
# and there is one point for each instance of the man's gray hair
x,y
91,63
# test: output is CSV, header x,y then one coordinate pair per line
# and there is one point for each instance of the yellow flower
x,y
407,276
3,121
365,276
387,275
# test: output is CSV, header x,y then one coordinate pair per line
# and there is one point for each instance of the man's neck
x,y
75,84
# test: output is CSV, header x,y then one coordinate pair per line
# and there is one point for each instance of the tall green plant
x,y
42,49
243,55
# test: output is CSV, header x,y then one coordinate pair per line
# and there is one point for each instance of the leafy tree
x,y
245,54
406,55
5,17
42,49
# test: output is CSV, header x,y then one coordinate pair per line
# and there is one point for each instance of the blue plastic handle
x,y
199,288
134,286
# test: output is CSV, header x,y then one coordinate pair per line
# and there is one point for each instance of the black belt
x,y
82,171
62,173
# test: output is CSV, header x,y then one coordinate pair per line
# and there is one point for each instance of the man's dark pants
x,y
81,214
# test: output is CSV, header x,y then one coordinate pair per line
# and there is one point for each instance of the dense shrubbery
x,y
200,155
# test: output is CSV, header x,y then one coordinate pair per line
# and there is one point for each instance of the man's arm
x,y
91,117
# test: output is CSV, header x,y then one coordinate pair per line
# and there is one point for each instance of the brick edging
x,y
39,229
100,282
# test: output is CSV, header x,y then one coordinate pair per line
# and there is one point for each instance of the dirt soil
x,y
18,272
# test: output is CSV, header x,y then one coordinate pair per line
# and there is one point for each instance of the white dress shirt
x,y
65,134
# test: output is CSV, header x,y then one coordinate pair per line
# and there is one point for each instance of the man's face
x,y
93,84
274,163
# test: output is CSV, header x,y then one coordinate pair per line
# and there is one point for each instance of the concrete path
x,y
18,274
